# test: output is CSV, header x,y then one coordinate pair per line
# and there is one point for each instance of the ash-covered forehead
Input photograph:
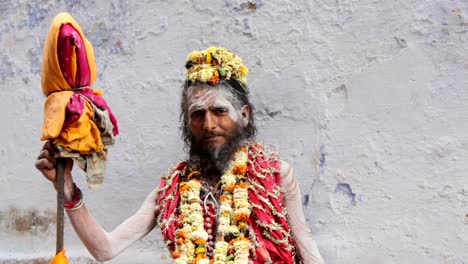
x,y
205,97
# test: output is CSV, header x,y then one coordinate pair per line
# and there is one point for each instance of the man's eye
x,y
197,114
221,111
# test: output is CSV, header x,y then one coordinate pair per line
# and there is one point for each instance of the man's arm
x,y
299,229
105,245
101,244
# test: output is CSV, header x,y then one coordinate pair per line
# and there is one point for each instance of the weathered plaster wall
x,y
366,99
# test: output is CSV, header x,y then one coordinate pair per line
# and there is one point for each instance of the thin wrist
x,y
69,192
77,200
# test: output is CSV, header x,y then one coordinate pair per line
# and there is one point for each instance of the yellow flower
x,y
207,57
244,70
204,64
194,56
205,74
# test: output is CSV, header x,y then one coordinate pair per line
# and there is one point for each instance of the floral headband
x,y
215,64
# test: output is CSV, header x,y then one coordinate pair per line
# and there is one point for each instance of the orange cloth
x,y
52,77
82,136
60,258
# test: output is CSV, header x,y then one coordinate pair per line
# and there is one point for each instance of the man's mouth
x,y
211,138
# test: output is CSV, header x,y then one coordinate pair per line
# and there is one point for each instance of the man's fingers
x,y
46,154
50,147
43,163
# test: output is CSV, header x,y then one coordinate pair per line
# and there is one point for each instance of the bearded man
x,y
232,201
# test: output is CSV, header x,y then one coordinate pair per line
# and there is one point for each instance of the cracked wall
x,y
366,99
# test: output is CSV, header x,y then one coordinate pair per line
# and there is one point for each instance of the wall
x,y
366,99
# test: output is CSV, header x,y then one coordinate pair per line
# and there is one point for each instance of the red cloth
x,y
268,166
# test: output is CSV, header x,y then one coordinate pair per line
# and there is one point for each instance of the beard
x,y
215,158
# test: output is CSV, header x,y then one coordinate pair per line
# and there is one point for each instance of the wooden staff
x,y
60,202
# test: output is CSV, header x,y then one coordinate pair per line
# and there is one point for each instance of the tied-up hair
x,y
237,95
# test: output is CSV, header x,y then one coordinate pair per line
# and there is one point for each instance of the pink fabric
x,y
168,231
271,182
74,109
101,103
69,42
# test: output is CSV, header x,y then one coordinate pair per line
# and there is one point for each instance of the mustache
x,y
211,134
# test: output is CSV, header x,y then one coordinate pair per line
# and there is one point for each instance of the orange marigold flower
x,y
199,257
240,169
184,188
242,185
180,241
242,217
181,234
214,79
200,241
176,254
243,149
241,238
225,198
230,187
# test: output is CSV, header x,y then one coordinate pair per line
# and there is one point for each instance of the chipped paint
x,y
27,222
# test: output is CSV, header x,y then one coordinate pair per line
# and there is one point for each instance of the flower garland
x,y
215,64
191,238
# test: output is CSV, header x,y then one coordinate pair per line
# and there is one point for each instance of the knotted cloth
x,y
76,117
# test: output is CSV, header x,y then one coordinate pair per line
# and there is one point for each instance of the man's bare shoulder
x,y
285,169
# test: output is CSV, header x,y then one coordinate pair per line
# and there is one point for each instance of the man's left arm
x,y
300,231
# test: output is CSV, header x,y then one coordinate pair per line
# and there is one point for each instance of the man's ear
x,y
245,115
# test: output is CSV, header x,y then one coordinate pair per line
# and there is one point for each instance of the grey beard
x,y
215,158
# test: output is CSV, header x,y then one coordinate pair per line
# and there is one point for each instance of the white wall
x,y
366,99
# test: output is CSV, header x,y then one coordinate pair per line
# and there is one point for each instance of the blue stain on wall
x,y
36,60
323,158
345,189
6,68
70,4
36,13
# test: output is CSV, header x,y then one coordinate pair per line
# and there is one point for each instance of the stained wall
x,y
366,100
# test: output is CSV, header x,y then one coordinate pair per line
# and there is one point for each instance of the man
x,y
232,201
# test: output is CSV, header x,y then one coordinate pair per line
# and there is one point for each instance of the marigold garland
x,y
234,213
215,64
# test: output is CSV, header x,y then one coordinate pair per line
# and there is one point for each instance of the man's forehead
x,y
207,96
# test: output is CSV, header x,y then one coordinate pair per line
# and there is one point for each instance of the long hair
x,y
238,95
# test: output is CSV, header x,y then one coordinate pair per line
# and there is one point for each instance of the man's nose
x,y
210,121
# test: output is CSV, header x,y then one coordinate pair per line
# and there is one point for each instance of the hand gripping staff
x,y
76,118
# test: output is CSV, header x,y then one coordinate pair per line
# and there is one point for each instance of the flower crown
x,y
215,64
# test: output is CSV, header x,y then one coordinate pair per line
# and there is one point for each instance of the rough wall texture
x,y
366,99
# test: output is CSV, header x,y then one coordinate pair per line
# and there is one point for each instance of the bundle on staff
x,y
76,117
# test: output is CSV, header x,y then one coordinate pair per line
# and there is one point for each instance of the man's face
x,y
212,118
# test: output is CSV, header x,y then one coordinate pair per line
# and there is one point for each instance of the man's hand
x,y
46,163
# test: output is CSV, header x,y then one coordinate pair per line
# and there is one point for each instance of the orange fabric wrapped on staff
x,y
77,120
76,117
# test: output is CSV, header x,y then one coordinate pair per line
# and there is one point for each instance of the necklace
x,y
193,237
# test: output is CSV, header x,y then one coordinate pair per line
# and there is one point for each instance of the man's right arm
x,y
105,245
101,244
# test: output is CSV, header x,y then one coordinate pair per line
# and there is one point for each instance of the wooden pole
x,y
60,202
